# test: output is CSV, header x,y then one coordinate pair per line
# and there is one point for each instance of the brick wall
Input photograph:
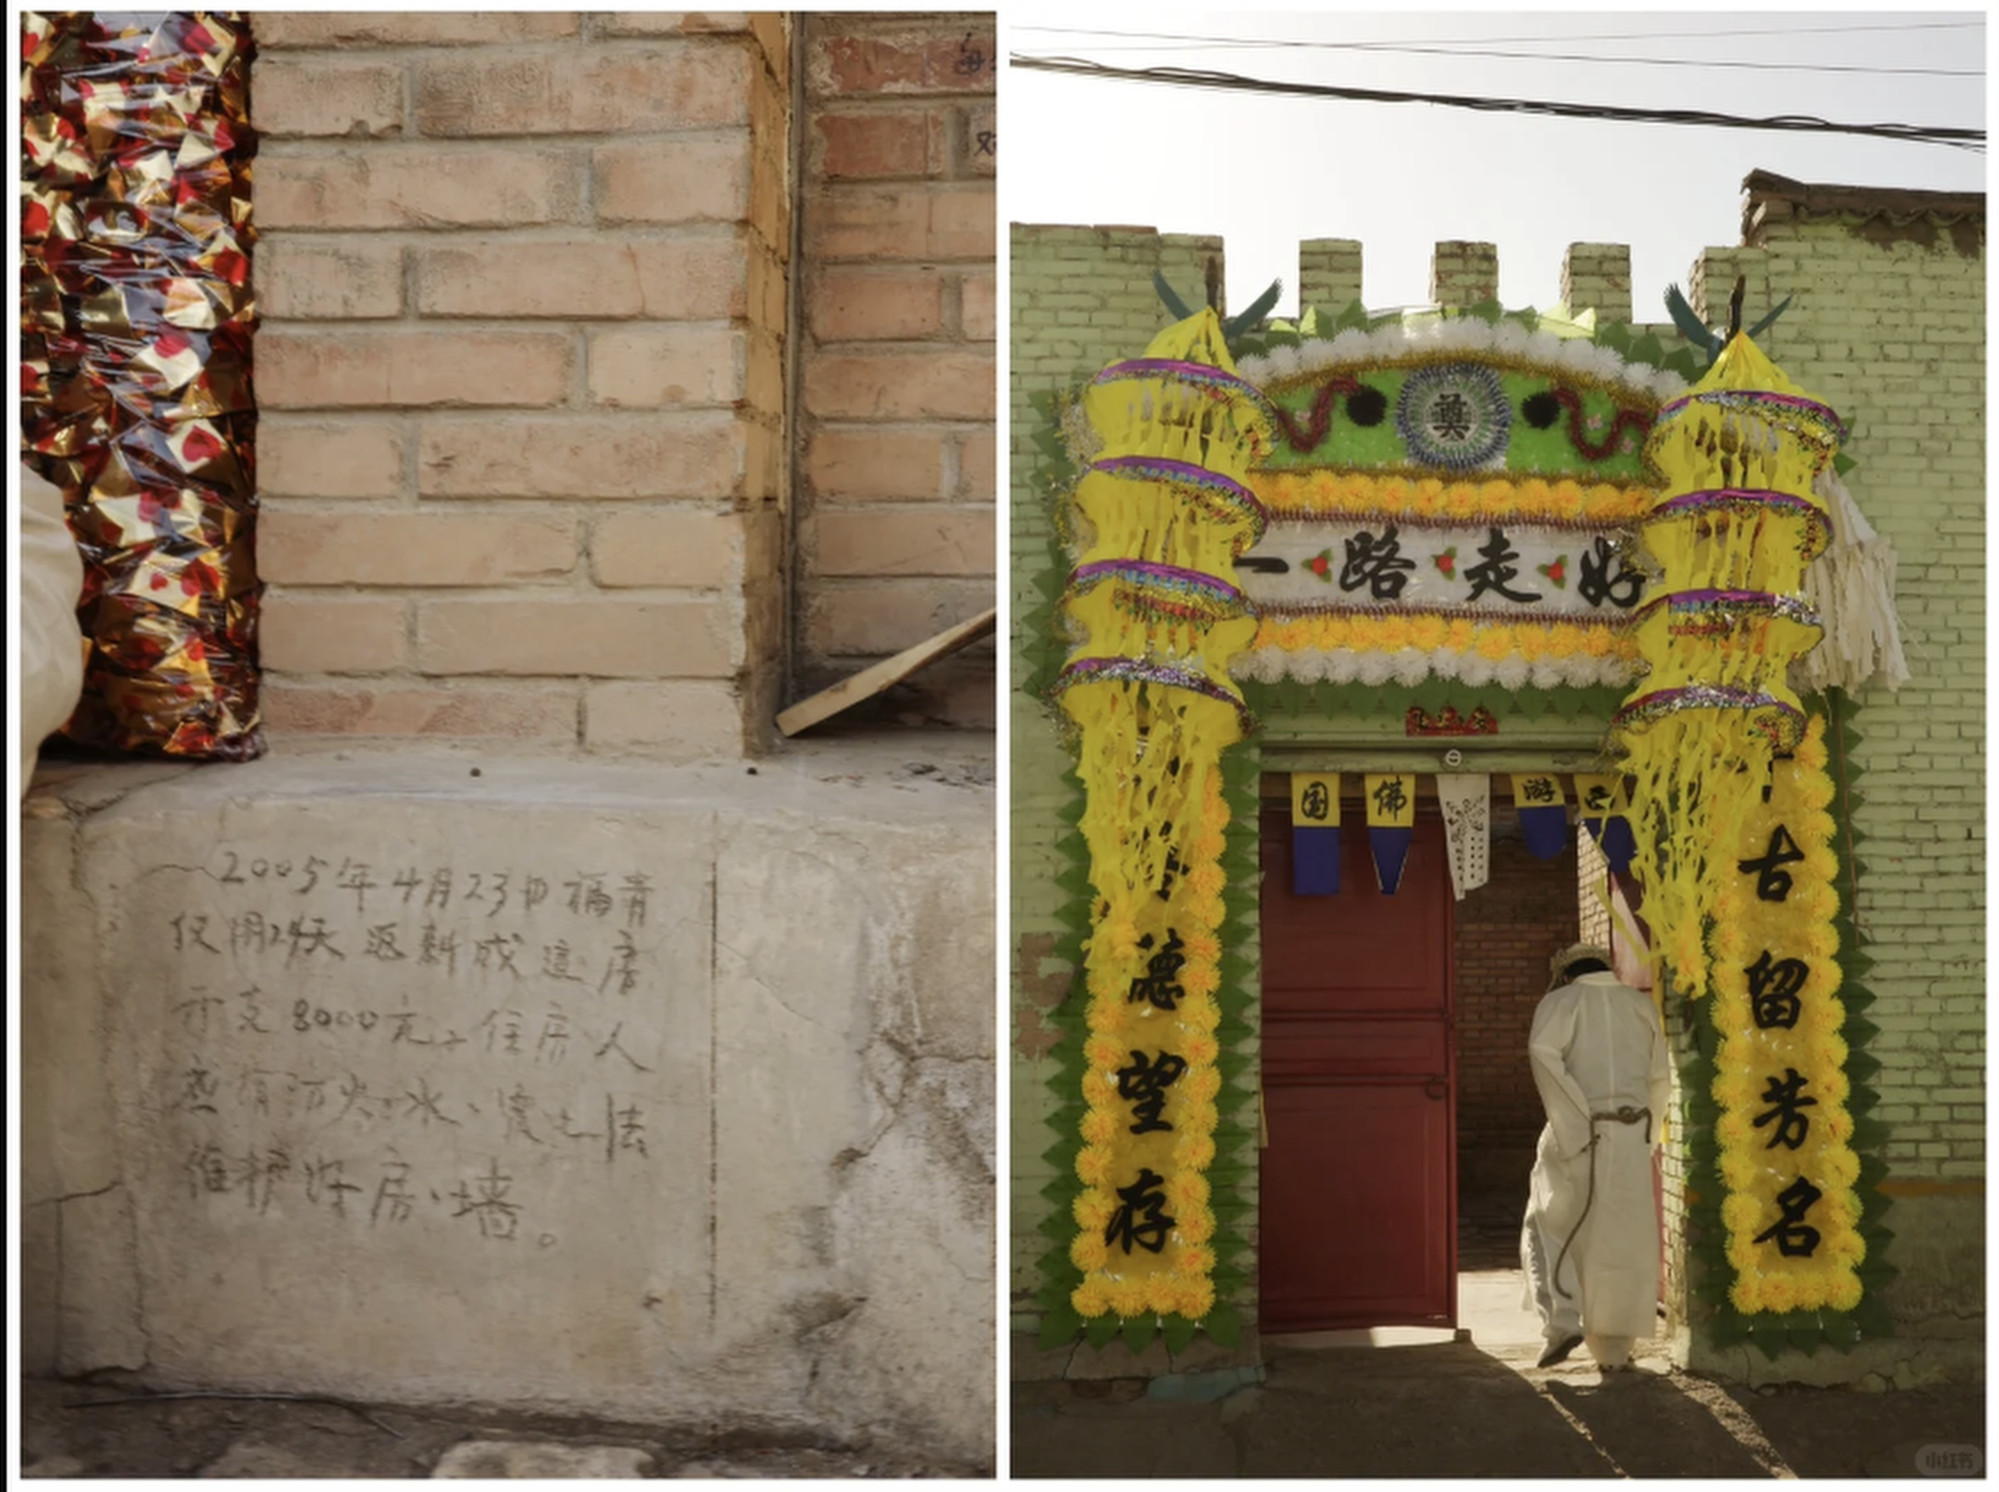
x,y
1505,933
522,445
1889,327
896,506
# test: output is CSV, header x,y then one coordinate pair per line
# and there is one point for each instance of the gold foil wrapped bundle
x,y
136,399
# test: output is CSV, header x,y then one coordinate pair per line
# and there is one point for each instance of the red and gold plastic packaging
x,y
136,398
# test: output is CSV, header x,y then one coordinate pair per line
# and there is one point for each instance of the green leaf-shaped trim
x,y
1802,1331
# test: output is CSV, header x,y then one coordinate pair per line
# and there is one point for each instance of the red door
x,y
1358,1189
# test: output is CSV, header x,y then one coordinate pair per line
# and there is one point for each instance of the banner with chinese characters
x,y
1543,812
1451,499
1315,833
1154,615
1787,1164
1391,824
1500,570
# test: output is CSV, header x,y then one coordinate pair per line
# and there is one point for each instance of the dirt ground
x,y
1409,1402
74,1430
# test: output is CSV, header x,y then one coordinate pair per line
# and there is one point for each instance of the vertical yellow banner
x,y
1315,800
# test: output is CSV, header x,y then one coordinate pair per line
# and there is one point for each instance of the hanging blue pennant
x,y
1315,833
1600,795
1391,825
1543,813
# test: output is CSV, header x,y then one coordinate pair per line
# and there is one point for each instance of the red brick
x,y
873,618
670,23
671,719
685,86
855,305
677,279
880,464
663,367
313,634
329,458
543,713
326,28
976,308
901,385
674,181
410,186
978,467
880,144
902,541
673,455
412,369
310,278
621,638
945,221
688,550
979,143
414,549
903,62
293,96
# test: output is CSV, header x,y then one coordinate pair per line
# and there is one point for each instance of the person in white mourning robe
x,y
1590,1243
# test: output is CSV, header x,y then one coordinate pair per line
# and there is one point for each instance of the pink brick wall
x,y
896,502
522,449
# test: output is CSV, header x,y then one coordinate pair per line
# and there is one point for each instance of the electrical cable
x,y
1235,82
1486,41
1774,67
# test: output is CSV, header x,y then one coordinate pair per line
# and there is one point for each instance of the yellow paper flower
x,y
1091,1298
1088,1251
1093,1210
1128,1298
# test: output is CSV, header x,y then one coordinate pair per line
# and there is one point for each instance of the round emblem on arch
x,y
1454,415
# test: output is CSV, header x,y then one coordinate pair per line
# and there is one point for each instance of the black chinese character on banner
x,y
1600,582
1157,983
1795,1237
1494,569
1596,798
1315,803
1793,1124
1773,991
1376,564
1143,1084
1773,882
1389,798
1142,1219
1538,790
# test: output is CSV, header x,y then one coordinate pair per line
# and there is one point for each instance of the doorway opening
x,y
1401,1113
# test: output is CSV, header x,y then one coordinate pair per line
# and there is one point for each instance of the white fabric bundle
x,y
51,652
1852,587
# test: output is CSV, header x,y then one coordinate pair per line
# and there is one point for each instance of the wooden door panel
x,y
1362,933
1351,1172
1358,1203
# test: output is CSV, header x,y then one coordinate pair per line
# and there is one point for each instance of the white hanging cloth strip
x,y
1466,801
1852,587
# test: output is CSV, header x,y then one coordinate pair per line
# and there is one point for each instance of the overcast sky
x,y
1265,172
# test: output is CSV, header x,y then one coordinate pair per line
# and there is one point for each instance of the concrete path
x,y
1405,1402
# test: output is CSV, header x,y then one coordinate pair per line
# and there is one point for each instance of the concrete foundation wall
x,y
662,1096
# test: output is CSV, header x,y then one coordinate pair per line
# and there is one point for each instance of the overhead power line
x,y
1181,77
1700,62
1682,34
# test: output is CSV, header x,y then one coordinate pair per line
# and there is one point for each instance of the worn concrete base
x,y
662,1095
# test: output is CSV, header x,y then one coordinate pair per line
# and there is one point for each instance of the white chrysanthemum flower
x,y
1412,666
